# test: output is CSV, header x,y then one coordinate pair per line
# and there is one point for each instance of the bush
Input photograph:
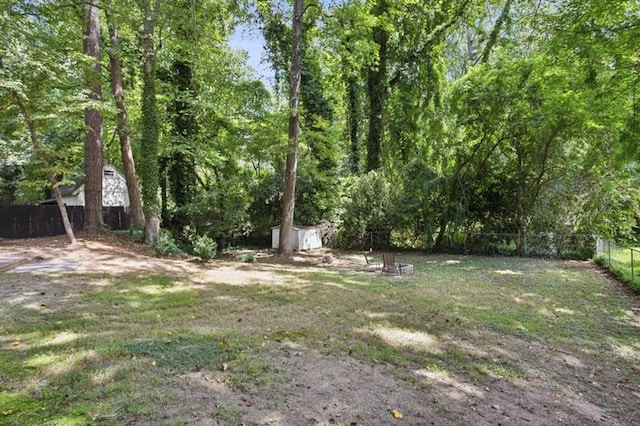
x,y
137,234
164,244
245,257
205,248
367,212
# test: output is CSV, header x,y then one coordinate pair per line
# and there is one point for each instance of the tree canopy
x,y
420,123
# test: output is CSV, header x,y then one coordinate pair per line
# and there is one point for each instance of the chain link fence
x,y
621,260
548,245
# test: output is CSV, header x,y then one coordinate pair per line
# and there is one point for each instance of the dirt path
x,y
103,254
110,254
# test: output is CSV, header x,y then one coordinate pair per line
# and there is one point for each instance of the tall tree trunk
x,y
354,116
288,202
163,164
182,162
150,123
377,88
124,133
93,123
45,162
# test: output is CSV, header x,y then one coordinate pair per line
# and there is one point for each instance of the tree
x,y
33,135
31,79
93,122
377,87
288,203
122,122
150,124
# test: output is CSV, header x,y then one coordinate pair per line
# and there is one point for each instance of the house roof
x,y
70,190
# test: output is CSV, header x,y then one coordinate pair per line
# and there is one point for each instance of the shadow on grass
x,y
504,332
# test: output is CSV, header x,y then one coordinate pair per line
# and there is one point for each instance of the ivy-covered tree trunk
x,y
288,202
93,123
124,132
182,163
354,116
377,88
150,124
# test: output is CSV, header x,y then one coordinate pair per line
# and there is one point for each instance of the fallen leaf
x,y
396,414
224,366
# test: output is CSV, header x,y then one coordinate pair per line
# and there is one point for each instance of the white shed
x,y
114,190
304,238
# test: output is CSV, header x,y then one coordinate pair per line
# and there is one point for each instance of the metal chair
x,y
372,264
391,267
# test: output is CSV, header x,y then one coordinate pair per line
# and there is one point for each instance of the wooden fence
x,y
44,220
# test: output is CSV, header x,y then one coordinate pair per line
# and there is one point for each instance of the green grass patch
x,y
184,353
624,264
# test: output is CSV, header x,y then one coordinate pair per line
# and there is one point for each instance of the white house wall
x,y
74,200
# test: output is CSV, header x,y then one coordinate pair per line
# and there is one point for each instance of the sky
x,y
251,41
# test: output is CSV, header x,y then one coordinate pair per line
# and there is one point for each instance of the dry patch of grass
x,y
463,340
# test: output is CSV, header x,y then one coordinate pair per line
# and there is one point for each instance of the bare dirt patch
x,y
112,254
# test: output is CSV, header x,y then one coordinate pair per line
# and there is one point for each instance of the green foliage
x,y
245,258
135,234
164,244
498,116
204,247
368,211
222,211
266,202
10,176
148,169
44,74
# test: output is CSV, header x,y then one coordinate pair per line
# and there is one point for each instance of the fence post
x,y
631,266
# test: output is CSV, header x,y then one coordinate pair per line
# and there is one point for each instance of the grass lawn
x,y
464,340
624,263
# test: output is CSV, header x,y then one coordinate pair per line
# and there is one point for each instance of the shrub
x,y
164,244
367,212
245,257
205,248
137,234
